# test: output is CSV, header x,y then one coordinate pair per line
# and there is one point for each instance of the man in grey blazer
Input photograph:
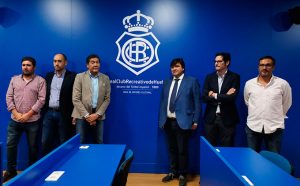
x,y
91,97
179,114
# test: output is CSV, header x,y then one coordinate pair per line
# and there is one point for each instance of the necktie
x,y
173,97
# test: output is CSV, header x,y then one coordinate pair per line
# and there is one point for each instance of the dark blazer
x,y
229,113
187,104
65,97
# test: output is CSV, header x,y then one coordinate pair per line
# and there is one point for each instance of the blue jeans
x,y
272,141
90,133
14,133
53,126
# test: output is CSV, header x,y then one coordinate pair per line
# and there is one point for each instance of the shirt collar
x,y
62,75
32,77
92,76
180,77
271,80
222,76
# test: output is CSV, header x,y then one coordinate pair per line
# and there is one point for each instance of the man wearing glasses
x,y
58,107
268,99
220,91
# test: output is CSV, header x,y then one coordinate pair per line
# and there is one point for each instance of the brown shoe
x,y
9,175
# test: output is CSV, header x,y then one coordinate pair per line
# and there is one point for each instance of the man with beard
x,y
268,99
58,108
24,98
220,91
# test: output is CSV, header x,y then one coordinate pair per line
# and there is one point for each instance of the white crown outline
x,y
138,26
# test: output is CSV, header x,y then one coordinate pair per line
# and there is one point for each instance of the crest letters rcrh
x,y
137,46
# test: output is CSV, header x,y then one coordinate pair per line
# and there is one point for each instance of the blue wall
x,y
194,30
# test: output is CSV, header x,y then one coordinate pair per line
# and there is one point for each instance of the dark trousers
x,y
90,133
272,141
14,133
178,147
218,131
53,127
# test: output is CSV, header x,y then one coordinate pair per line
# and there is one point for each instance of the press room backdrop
x,y
136,56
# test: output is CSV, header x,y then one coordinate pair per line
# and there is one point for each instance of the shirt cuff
x,y
216,96
85,116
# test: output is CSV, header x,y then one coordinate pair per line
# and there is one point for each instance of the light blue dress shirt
x,y
55,89
95,89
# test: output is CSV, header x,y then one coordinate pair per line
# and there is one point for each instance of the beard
x,y
27,73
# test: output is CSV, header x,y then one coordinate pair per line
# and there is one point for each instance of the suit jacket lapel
x,y
226,78
181,87
87,80
168,86
64,80
215,83
100,80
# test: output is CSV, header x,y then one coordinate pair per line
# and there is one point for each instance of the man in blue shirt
x,y
57,120
91,97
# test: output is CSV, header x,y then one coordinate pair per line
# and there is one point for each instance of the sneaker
x,y
182,180
9,175
169,177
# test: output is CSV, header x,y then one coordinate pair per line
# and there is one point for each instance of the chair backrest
x,y
122,174
279,160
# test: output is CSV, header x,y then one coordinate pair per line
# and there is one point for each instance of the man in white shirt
x,y
268,99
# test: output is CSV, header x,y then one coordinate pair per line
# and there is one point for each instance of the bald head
x,y
59,62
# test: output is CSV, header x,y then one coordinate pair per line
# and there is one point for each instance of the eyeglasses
x,y
268,65
218,61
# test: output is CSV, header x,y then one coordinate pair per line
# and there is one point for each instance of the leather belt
x,y
218,114
172,119
54,109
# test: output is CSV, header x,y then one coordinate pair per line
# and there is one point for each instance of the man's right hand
x,y
17,115
231,91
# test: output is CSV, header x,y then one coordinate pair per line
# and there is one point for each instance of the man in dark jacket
x,y
220,91
58,107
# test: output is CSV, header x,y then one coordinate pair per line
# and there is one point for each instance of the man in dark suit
x,y
219,93
179,114
57,120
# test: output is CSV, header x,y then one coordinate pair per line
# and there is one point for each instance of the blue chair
x,y
278,160
122,174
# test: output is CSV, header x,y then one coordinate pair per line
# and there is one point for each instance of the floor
x,y
139,179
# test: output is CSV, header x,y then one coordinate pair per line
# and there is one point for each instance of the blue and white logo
x,y
137,47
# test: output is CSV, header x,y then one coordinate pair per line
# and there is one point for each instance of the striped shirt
x,y
26,95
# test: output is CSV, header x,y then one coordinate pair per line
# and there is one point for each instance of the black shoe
x,y
182,180
9,175
169,177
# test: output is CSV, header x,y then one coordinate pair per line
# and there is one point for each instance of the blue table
x,y
95,165
256,168
226,166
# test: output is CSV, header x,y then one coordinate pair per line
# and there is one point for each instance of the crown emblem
x,y
138,22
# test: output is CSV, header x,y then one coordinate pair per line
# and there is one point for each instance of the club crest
x,y
137,47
